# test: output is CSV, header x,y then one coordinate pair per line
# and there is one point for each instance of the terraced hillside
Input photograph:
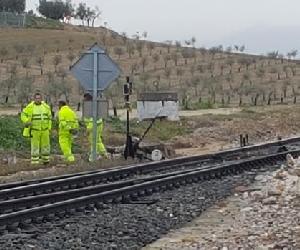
x,y
40,58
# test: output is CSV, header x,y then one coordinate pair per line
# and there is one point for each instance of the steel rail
x,y
211,156
127,193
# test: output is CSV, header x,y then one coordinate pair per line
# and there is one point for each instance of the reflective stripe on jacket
x,y
39,116
67,119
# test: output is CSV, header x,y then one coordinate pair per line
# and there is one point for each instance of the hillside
x,y
33,59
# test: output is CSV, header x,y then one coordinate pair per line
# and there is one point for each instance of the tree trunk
x,y
255,100
269,100
115,112
228,99
284,93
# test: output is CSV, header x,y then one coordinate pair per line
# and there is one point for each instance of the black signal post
x,y
127,91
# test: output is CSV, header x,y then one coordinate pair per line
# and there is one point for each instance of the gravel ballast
x,y
126,226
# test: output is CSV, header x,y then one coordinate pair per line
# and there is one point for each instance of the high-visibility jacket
x,y
89,124
38,115
67,119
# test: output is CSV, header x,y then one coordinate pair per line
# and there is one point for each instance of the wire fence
x,y
11,19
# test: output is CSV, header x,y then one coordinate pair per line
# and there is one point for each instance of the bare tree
x,y
211,86
25,64
19,48
187,42
134,67
178,45
186,54
192,70
195,81
294,53
62,73
150,47
246,77
71,57
167,73
139,47
3,53
200,68
11,82
168,45
95,14
193,41
144,79
242,48
30,48
25,88
294,70
166,59
155,59
118,51
174,57
260,73
230,62
144,62
40,62
284,88
130,49
236,47
229,49
57,59
124,37
179,74
286,69
273,54
144,34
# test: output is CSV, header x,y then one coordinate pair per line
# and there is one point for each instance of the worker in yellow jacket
x,y
100,148
36,117
68,126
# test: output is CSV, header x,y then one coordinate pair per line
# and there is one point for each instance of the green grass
x,y
199,105
161,130
11,129
11,134
42,23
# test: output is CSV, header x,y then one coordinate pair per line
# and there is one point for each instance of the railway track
x,y
27,202
182,162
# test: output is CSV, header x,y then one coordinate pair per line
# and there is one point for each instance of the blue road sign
x,y
83,69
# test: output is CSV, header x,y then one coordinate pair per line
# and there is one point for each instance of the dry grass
x,y
227,69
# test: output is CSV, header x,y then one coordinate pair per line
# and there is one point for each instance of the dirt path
x,y
133,114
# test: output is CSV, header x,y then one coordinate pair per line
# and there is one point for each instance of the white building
x,y
158,104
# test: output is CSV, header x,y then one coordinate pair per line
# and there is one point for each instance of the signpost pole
x,y
94,107
95,71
